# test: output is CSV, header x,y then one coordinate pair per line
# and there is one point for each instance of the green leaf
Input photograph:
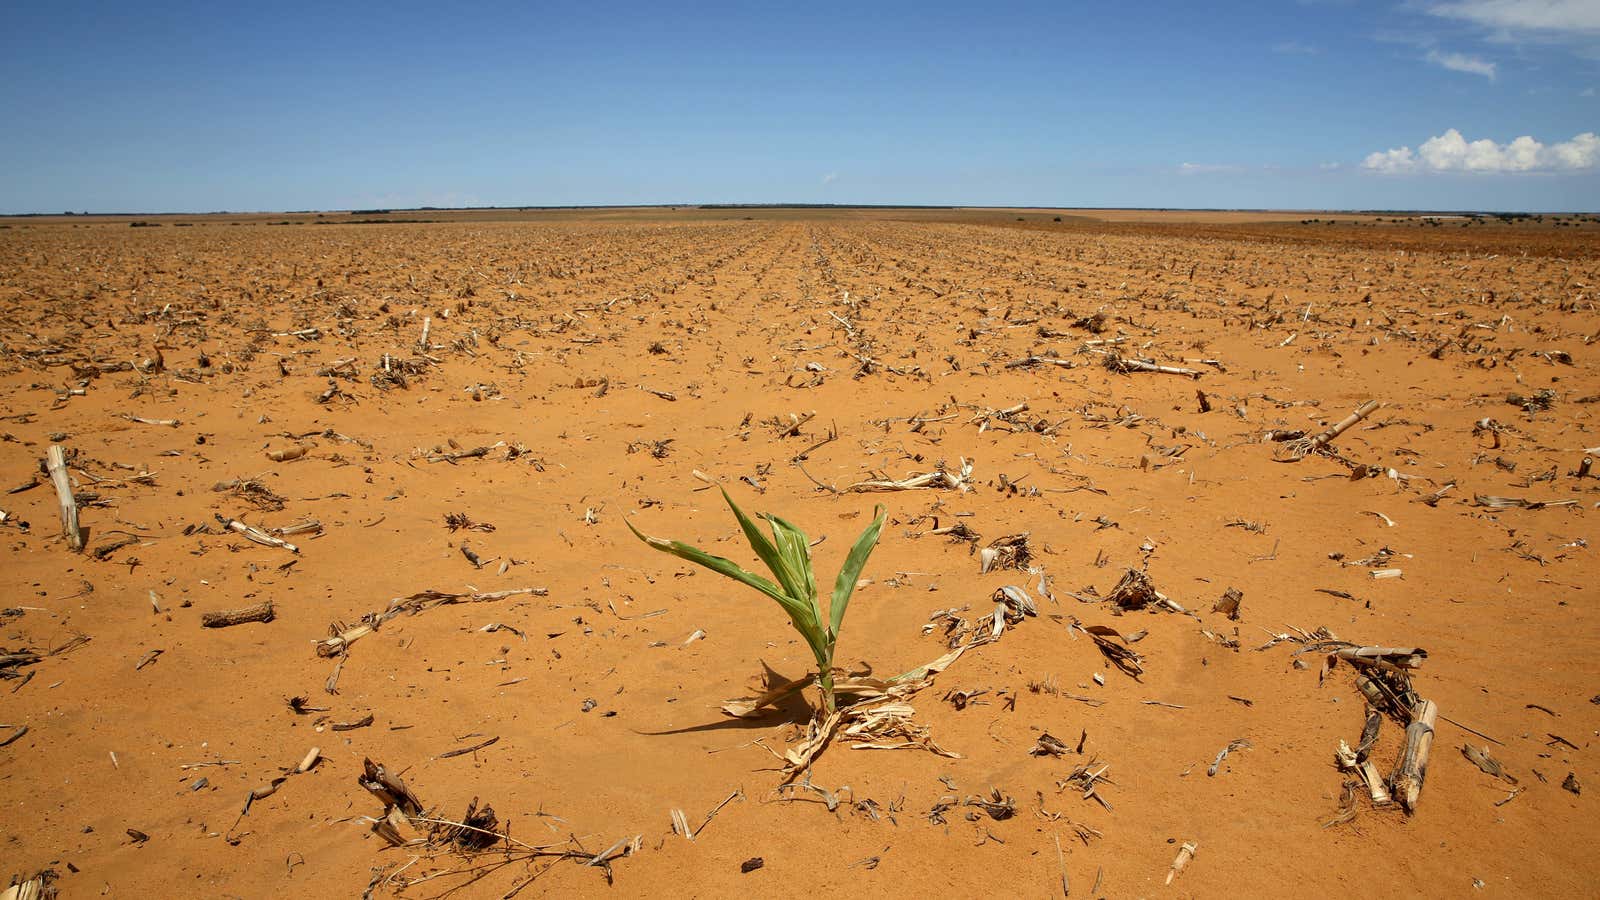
x,y
845,585
801,613
718,564
795,549
768,553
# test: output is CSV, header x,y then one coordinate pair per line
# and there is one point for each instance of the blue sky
x,y
1331,104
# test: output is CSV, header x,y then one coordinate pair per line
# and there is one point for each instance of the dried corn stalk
x,y
999,806
1413,767
39,887
1353,761
1492,502
1119,655
1087,777
343,636
1136,591
1480,757
1299,449
1124,365
940,477
875,713
1009,552
478,829
889,727
256,534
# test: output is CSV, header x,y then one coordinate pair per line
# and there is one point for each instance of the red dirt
x,y
725,313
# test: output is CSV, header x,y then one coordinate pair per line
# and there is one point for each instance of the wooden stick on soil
x,y
1413,768
261,612
56,463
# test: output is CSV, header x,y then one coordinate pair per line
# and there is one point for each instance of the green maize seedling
x,y
788,554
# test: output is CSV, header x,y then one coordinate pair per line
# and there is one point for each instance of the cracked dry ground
x,y
611,365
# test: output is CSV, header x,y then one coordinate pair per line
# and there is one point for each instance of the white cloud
x,y
1190,168
1391,162
1450,152
1553,16
830,178
1295,48
1460,62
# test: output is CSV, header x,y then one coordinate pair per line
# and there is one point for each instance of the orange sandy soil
x,y
731,312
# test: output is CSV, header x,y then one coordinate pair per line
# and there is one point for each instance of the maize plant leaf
x,y
795,549
765,550
788,555
718,564
845,585
802,613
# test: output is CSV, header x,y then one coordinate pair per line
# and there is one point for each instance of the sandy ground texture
x,y
452,422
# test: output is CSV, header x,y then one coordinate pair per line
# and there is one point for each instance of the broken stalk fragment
x,y
1413,768
1185,853
56,464
1299,449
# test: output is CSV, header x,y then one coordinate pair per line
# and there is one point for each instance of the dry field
x,y
435,414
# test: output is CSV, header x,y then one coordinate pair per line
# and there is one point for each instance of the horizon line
x,y
516,207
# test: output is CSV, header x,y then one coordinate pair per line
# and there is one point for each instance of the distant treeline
x,y
373,221
1443,212
747,206
818,206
